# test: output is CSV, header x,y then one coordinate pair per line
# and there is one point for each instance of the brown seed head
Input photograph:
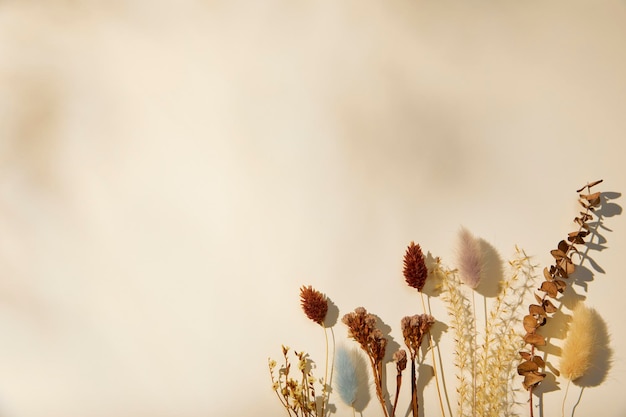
x,y
400,359
415,271
414,328
314,304
362,328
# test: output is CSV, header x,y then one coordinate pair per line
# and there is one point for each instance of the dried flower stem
x,y
362,328
325,393
432,351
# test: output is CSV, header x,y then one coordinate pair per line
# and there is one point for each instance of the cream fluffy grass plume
x,y
579,344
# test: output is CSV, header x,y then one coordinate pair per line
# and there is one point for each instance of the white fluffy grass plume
x,y
579,344
470,258
346,374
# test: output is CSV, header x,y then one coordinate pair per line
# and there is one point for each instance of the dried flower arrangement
x,y
485,360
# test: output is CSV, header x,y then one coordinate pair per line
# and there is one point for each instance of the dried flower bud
x,y
314,304
415,271
400,359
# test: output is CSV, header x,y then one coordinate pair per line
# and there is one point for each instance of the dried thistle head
x,y
415,271
314,304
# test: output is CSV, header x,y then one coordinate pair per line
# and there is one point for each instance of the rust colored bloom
x,y
314,304
415,271
414,328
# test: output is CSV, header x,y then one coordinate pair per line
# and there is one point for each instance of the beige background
x,y
172,173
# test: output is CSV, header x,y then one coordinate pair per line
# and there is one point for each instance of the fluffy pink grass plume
x,y
470,258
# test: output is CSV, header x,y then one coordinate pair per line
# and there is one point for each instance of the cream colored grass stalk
x,y
462,323
579,346
470,261
501,342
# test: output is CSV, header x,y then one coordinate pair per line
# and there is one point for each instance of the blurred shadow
x,y
332,315
432,287
608,208
425,374
492,270
392,346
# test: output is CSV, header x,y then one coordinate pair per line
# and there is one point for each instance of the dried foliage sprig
x,y
489,365
501,341
297,394
493,359
362,328
532,365
462,324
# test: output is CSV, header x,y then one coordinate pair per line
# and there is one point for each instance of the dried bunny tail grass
x,y
470,258
346,375
415,271
579,343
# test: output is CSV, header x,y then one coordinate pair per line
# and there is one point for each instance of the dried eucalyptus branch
x,y
532,365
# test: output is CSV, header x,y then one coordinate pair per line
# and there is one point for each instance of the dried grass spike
x,y
415,271
314,304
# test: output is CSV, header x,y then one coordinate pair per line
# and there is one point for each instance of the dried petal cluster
x,y
532,365
362,328
314,304
414,328
415,271
399,359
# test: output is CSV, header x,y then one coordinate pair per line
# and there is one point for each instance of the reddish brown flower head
x,y
314,304
415,271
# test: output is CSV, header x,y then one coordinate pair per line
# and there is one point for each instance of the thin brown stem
x,y
395,401
432,351
414,404
324,390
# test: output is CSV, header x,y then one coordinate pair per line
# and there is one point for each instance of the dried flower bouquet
x,y
485,359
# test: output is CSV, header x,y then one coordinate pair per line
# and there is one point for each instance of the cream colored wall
x,y
171,174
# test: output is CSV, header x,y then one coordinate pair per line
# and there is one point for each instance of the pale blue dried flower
x,y
346,375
